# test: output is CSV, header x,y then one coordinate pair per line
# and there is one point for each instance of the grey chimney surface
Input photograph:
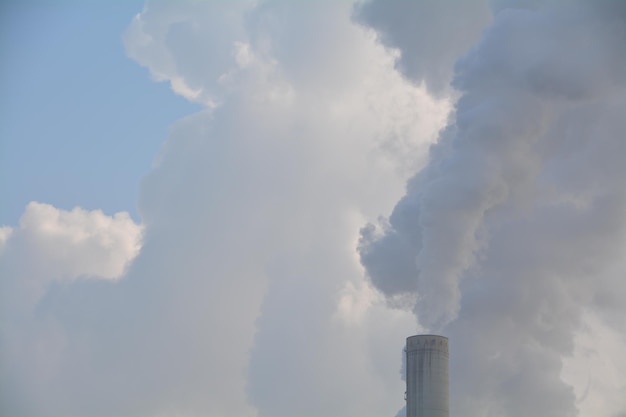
x,y
427,376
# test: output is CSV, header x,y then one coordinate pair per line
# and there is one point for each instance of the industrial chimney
x,y
427,376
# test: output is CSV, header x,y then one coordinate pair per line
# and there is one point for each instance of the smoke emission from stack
x,y
515,230
427,393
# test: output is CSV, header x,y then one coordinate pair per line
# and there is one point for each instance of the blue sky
x,y
80,122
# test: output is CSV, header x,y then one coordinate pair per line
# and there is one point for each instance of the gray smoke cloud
x,y
517,227
429,35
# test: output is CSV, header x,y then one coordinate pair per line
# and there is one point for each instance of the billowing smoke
x,y
516,229
430,35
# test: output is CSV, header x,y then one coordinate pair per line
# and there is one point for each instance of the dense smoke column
x,y
515,230
427,376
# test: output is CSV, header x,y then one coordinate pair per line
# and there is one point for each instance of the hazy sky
x,y
240,209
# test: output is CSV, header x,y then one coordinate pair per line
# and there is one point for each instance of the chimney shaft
x,y
427,376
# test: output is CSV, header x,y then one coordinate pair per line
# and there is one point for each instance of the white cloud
x,y
5,233
79,242
250,231
190,54
49,249
57,245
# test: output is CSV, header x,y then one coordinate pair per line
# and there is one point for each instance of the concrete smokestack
x,y
427,376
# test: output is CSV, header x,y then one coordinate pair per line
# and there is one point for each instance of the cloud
x,y
191,56
5,233
247,296
294,177
67,245
51,248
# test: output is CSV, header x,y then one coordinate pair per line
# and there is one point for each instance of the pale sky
x,y
242,209
81,123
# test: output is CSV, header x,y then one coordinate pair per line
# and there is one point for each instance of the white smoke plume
x,y
517,226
